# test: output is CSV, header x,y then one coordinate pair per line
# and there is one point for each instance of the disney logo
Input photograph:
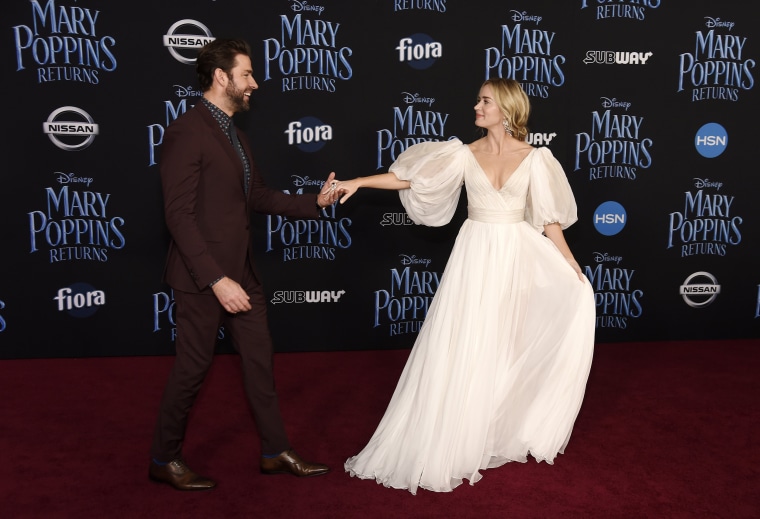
x,y
614,103
716,22
702,183
601,257
518,16
414,260
298,6
186,91
306,181
417,98
70,178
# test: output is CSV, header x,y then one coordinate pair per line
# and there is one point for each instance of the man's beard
x,y
236,98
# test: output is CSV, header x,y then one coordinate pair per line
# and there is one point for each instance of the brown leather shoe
x,y
179,475
291,463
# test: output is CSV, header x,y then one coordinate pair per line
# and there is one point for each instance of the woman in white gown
x,y
499,367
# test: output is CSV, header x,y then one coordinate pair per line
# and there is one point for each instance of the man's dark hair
x,y
219,53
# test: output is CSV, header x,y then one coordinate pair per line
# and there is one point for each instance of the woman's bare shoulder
x,y
476,144
523,146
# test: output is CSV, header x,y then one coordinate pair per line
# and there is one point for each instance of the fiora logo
x,y
174,40
79,300
67,134
711,140
419,51
610,218
308,134
699,289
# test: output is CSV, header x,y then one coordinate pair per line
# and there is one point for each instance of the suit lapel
x,y
224,142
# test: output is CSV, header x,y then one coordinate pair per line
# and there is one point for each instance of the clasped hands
x,y
329,192
334,189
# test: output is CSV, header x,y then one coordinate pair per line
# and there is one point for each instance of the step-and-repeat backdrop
x,y
651,106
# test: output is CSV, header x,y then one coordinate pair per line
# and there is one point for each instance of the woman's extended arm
x,y
381,181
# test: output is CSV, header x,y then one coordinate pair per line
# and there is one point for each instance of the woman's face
x,y
487,113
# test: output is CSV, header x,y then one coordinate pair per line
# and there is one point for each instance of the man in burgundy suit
x,y
210,184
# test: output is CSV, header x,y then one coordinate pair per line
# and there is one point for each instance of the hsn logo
x,y
610,218
711,140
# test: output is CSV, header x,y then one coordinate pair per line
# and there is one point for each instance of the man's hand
x,y
328,194
231,295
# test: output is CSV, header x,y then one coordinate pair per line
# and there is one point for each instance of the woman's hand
x,y
576,267
346,188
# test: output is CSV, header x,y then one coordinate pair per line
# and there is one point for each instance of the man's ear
x,y
220,76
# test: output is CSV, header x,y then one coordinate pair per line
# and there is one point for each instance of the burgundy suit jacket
x,y
205,205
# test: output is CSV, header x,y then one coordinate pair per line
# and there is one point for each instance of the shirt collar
x,y
221,117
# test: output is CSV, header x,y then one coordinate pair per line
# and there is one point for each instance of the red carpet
x,y
667,430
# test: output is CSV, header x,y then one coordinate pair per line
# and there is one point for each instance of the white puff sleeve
x,y
550,198
436,173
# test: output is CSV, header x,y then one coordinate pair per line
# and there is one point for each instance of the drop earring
x,y
507,127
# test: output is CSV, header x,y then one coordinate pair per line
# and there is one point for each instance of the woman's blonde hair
x,y
513,103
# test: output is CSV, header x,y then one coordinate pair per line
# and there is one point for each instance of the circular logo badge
x,y
309,134
711,140
174,40
79,300
699,289
419,51
70,134
610,218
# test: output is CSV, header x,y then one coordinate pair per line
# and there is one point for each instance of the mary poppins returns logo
x,y
717,66
63,43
